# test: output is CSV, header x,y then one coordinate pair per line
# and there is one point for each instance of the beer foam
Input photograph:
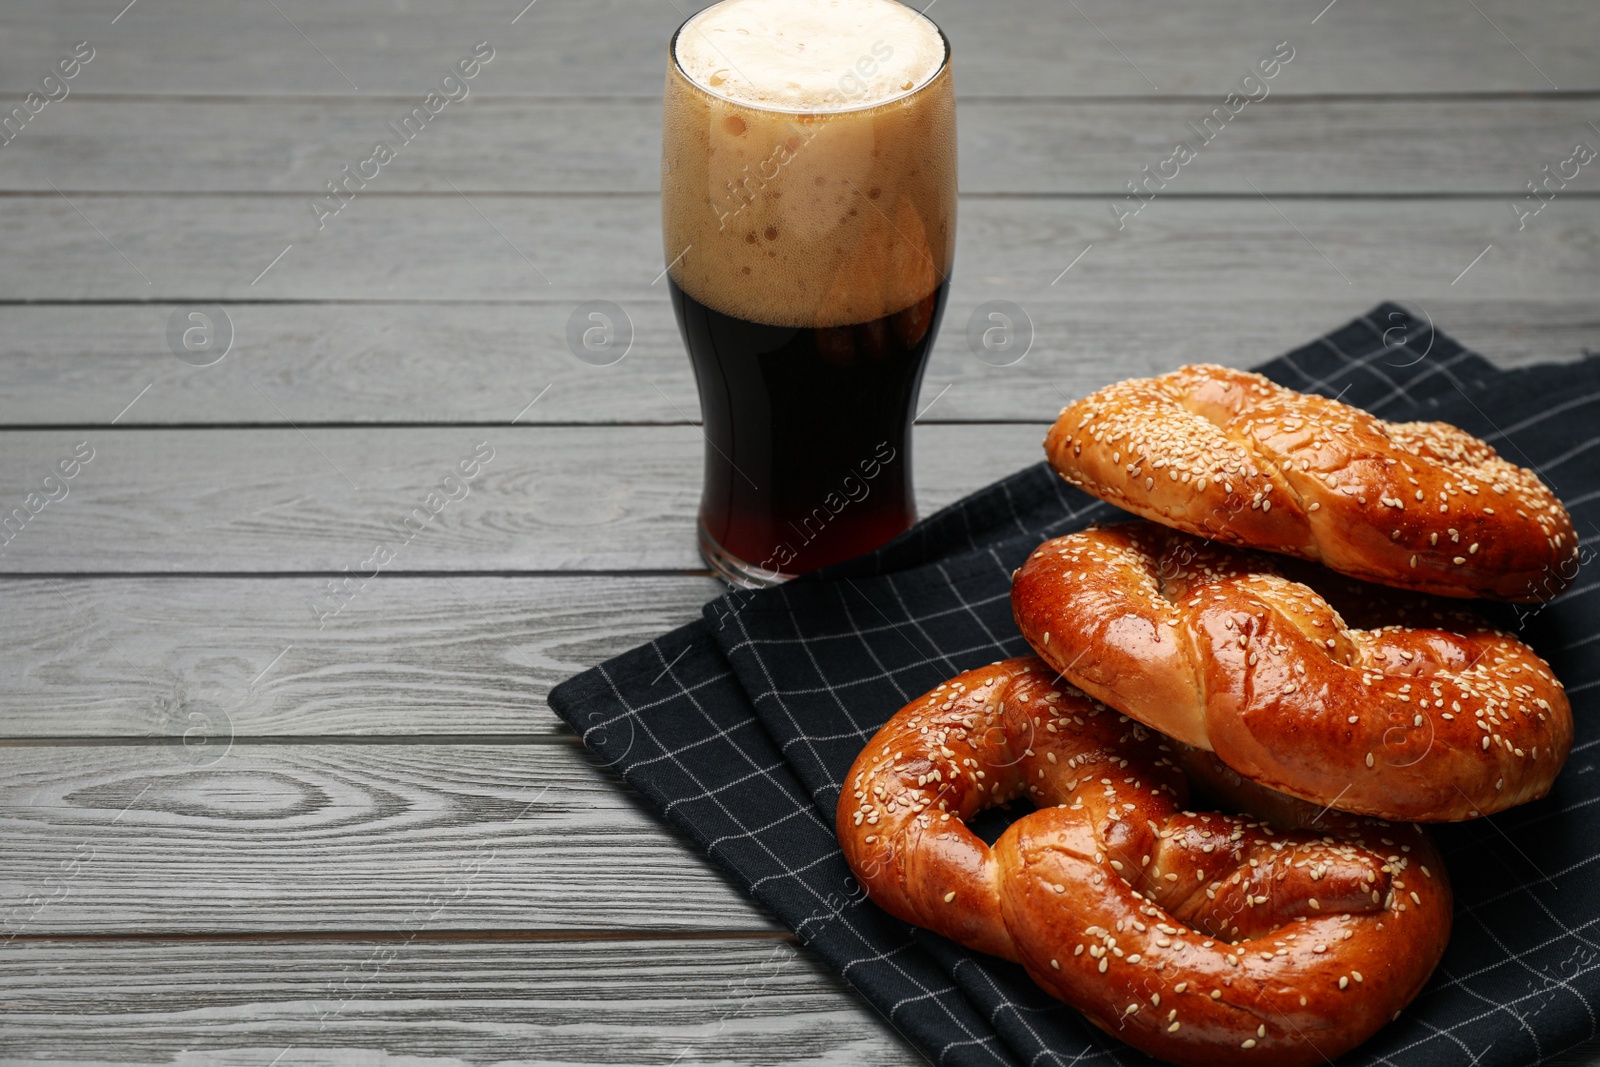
x,y
810,55
809,218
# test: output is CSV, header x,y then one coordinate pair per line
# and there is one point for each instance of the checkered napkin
x,y
739,729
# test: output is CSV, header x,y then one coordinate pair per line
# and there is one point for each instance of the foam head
x,y
809,160
807,55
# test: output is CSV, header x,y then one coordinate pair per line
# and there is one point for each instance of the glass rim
x,y
672,55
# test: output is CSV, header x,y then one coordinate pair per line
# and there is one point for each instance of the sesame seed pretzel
x,y
1367,699
1201,938
1233,456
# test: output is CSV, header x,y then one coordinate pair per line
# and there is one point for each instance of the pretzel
x,y
1367,699
1234,457
1201,938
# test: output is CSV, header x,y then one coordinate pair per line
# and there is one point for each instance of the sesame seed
x,y
948,897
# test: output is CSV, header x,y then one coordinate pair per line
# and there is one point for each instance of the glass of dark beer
x,y
808,195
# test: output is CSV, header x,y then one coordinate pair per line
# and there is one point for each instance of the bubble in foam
x,y
810,55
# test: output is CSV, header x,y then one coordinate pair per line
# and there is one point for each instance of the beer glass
x,y
808,195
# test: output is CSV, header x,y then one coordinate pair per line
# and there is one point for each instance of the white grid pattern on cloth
x,y
776,775
857,666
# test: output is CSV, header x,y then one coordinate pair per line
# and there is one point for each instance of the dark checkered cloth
x,y
739,729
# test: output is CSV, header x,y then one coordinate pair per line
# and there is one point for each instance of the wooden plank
x,y
1021,47
160,839
517,1002
1286,144
377,363
242,1004
441,248
243,657
282,500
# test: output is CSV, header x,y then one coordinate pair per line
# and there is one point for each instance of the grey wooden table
x,y
255,809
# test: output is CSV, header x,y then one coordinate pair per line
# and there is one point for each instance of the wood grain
x,y
255,838
429,363
416,656
1284,144
1018,47
515,1002
194,1003
278,500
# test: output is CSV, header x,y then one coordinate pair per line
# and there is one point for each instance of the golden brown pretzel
x,y
1232,456
1380,702
1201,938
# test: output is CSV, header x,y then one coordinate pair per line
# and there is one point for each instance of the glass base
x,y
735,571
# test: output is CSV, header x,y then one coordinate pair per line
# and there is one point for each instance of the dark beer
x,y
808,200
809,432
